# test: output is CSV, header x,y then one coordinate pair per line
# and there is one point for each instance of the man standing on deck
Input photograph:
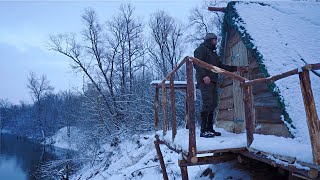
x,y
207,83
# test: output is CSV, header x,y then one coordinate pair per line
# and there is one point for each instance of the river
x,y
20,159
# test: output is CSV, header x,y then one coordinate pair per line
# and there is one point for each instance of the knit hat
x,y
210,36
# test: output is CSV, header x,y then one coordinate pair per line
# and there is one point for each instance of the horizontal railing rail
x,y
274,78
218,70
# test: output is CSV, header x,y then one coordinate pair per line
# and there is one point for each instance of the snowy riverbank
x,y
136,158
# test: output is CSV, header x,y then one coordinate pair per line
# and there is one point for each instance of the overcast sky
x,y
26,26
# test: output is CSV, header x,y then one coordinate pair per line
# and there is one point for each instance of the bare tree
x,y
109,57
39,87
166,47
203,21
4,103
91,58
133,40
125,43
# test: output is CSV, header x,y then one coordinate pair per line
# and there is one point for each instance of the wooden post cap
x,y
240,159
194,159
313,173
308,67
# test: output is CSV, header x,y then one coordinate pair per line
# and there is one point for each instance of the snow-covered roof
x,y
283,36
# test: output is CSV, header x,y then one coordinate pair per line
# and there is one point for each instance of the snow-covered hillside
x,y
137,159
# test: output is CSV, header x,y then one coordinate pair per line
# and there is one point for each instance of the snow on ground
x,y
287,35
136,158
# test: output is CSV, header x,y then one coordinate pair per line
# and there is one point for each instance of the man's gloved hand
x,y
243,69
206,80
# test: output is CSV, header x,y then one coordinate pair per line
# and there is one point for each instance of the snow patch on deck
x,y
273,145
227,140
288,147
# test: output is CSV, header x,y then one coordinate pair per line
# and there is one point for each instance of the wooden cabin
x,y
268,107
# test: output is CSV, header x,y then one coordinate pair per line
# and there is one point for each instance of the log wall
x,y
267,109
267,112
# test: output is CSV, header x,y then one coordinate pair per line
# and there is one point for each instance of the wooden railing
x,y
309,104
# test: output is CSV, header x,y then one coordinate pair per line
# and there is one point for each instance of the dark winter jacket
x,y
206,52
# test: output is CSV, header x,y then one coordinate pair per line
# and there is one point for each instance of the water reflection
x,y
11,169
20,159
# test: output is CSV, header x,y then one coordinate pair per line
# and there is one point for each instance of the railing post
x,y
164,107
248,113
184,172
159,153
173,107
156,109
311,113
191,112
187,111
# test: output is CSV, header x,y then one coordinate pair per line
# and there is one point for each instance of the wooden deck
x,y
301,160
231,146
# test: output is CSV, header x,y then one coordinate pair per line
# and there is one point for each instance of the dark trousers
x,y
209,95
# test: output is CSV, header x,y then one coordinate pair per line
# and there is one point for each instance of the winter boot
x,y
204,132
210,125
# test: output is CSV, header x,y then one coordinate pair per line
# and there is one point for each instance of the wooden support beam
x,y
160,157
165,109
291,168
233,150
191,113
156,110
313,173
175,87
240,159
219,9
248,104
173,108
209,160
179,85
187,112
184,172
310,165
207,173
311,113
